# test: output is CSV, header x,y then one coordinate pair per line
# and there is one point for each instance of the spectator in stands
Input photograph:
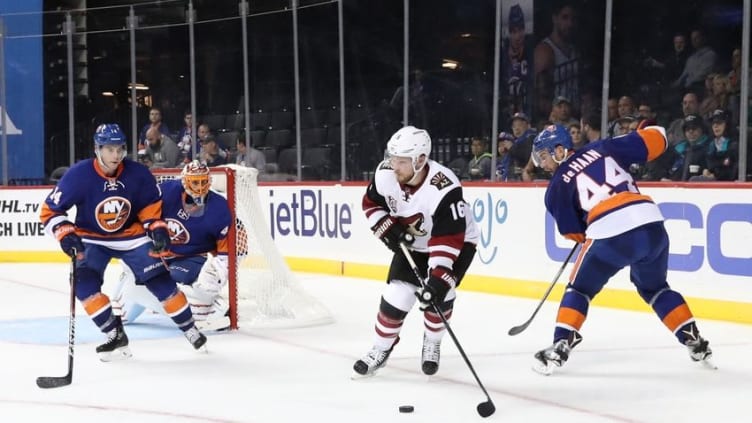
x,y
673,65
561,112
719,95
645,110
625,124
591,127
516,69
556,61
155,121
203,131
211,153
514,149
613,114
734,75
479,165
248,156
690,105
161,151
723,153
690,153
185,140
700,63
625,106
578,138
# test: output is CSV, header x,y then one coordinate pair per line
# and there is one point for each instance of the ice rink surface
x,y
628,368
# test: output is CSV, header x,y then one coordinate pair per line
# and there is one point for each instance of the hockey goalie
x,y
199,221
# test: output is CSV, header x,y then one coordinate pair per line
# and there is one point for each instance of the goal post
x,y
261,290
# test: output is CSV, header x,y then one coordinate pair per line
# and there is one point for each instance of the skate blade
x,y
357,376
708,364
119,354
543,369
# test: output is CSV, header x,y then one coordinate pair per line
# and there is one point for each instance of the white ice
x,y
629,368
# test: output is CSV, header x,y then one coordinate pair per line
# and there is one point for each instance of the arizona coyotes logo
x,y
112,213
414,224
440,181
178,233
392,203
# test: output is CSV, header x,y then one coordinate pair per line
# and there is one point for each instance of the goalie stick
x,y
518,329
58,381
485,408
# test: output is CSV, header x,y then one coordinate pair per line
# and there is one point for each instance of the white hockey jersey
x,y
435,212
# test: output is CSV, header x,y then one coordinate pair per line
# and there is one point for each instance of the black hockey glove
x,y
70,242
160,237
391,233
435,289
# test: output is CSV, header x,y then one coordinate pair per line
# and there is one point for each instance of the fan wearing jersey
x,y
594,201
118,215
415,200
198,221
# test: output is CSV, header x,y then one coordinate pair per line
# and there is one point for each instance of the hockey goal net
x,y
262,291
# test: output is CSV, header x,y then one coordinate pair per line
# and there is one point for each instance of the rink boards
x,y
319,227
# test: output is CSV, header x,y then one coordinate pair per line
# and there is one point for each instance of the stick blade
x,y
46,382
516,330
486,408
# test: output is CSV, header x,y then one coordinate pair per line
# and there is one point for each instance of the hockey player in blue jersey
x,y
594,201
118,215
198,221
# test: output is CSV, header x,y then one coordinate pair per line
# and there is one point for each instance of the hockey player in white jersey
x,y
416,200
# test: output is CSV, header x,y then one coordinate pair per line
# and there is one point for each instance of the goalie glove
x,y
391,233
70,242
436,287
160,237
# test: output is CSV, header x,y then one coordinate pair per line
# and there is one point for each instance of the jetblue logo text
x,y
710,248
487,213
308,214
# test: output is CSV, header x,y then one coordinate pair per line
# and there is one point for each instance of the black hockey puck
x,y
406,408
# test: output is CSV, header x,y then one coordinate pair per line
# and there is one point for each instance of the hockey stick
x,y
58,381
485,408
518,329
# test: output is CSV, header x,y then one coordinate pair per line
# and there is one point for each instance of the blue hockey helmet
x,y
548,139
109,134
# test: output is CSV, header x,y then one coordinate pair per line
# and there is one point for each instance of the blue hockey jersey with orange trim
x,y
592,195
110,211
194,235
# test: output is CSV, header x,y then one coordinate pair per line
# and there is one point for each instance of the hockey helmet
x,y
409,142
548,139
109,134
196,181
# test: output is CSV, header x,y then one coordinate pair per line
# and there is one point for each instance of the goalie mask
x,y
409,142
196,182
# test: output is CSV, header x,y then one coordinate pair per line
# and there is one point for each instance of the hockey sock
x,y
434,327
99,309
572,313
388,325
673,311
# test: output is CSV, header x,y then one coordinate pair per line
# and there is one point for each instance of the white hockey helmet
x,y
409,142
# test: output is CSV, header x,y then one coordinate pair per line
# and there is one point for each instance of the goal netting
x,y
262,291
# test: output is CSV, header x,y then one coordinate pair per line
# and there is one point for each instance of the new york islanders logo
x,y
112,213
178,233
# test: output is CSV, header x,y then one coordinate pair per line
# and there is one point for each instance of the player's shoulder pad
x,y
384,165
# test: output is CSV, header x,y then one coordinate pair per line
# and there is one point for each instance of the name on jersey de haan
x,y
578,164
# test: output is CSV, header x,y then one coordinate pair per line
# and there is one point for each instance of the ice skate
x,y
372,361
556,355
430,357
116,347
698,347
197,339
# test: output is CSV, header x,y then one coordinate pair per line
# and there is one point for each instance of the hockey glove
x,y
70,242
391,233
160,237
436,287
